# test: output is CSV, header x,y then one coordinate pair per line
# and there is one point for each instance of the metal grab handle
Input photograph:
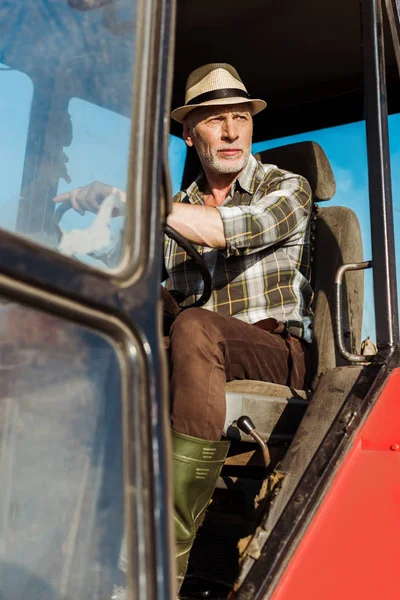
x,y
246,425
338,325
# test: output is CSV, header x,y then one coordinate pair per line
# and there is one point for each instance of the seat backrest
x,y
336,239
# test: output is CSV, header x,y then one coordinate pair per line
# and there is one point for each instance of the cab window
x,y
66,76
60,459
346,149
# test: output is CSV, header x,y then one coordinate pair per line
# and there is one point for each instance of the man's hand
x,y
90,197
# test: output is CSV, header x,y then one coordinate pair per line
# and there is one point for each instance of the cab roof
x,y
303,57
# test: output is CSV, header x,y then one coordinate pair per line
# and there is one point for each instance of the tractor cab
x,y
275,430
307,499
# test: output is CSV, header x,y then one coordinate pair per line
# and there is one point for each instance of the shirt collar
x,y
197,185
245,180
246,177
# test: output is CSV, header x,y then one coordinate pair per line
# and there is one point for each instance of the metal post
x,y
380,187
393,16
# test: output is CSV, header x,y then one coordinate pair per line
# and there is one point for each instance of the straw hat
x,y
215,84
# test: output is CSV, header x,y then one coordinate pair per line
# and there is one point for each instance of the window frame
x,y
122,305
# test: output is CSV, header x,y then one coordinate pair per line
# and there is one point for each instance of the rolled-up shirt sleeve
x,y
279,212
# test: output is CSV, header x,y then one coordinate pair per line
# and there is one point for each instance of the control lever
x,y
246,425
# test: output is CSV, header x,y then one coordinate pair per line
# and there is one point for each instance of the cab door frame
x,y
124,306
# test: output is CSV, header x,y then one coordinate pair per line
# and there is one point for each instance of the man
x,y
251,224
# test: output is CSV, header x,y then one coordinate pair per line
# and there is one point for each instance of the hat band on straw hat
x,y
217,94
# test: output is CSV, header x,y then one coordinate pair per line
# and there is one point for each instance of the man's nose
x,y
230,130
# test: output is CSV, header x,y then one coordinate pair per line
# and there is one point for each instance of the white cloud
x,y
344,180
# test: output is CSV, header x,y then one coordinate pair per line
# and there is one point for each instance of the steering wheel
x,y
182,243
199,262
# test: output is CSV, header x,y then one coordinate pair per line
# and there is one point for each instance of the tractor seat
x,y
275,409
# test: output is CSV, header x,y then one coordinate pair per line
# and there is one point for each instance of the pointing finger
x,y
62,197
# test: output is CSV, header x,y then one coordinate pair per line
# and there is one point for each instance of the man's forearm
x,y
199,224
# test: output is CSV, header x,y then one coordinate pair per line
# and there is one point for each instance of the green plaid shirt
x,y
264,271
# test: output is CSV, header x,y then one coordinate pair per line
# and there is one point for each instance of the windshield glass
x,y
66,98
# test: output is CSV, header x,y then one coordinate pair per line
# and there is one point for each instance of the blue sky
x,y
100,148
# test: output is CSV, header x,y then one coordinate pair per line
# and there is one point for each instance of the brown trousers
x,y
208,349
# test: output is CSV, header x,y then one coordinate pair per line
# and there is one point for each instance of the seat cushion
x,y
264,388
276,410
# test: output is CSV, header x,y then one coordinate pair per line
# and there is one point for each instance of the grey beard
x,y
225,166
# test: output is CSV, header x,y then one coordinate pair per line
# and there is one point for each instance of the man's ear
x,y
187,134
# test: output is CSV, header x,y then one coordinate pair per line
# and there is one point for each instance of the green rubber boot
x,y
197,465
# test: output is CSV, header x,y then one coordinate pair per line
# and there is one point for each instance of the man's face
x,y
221,135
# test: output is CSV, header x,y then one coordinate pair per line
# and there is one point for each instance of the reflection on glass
x,y
99,135
65,104
61,500
15,99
